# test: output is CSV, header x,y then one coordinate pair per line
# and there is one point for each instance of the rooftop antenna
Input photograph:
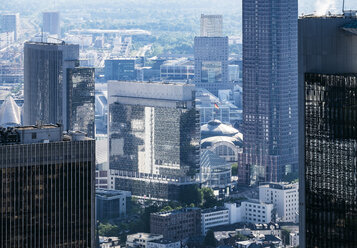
x,y
343,7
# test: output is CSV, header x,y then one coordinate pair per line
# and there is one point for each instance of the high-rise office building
x,y
46,188
10,23
154,135
120,69
211,63
270,99
211,25
51,23
81,100
327,131
56,89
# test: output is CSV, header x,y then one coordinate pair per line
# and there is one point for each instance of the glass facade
x,y
81,101
270,88
120,69
331,160
47,194
154,137
211,63
211,72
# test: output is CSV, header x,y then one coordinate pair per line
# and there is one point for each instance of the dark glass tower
x,y
51,75
80,100
270,99
154,137
120,69
328,133
46,188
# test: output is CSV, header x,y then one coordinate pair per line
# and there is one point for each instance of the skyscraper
x,y
211,25
270,101
154,135
81,100
51,77
46,188
211,63
51,23
11,23
327,131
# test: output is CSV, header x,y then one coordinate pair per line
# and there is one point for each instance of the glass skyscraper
x,y
46,188
328,134
80,100
270,83
55,85
154,137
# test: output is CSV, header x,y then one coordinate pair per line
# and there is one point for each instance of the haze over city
x,y
178,124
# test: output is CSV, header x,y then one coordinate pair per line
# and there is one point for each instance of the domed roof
x,y
235,140
217,128
10,113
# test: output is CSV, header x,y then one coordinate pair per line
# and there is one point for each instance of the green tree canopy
x,y
210,240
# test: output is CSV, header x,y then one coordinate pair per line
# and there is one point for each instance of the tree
x,y
108,230
210,240
235,169
191,194
208,198
241,237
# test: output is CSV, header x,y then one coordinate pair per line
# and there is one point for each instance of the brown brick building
x,y
177,224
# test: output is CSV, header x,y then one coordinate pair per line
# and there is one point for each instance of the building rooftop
x,y
163,241
281,186
212,210
144,236
175,212
42,133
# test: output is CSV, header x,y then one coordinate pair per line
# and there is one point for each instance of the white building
x,y
294,239
250,211
214,217
163,243
284,197
141,239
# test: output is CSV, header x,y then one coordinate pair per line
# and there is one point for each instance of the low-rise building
x,y
250,211
141,239
178,69
164,243
214,217
177,224
111,204
109,242
284,197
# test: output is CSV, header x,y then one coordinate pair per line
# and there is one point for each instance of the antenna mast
x,y
343,7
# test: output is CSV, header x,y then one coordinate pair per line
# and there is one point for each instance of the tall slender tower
x,y
270,82
51,23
